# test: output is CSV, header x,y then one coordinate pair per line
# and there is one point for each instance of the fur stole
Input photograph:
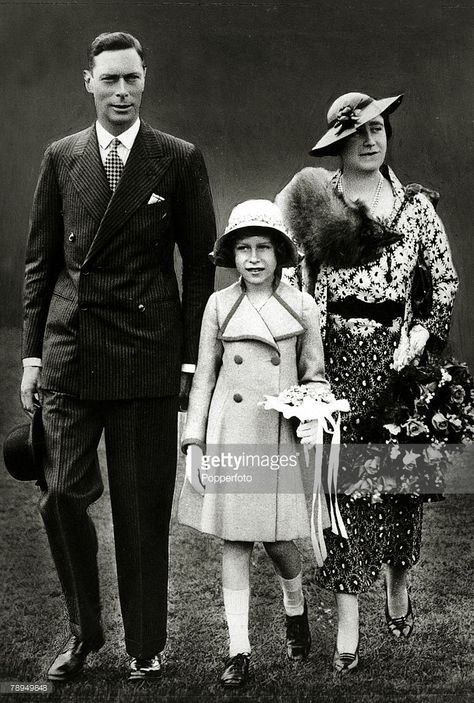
x,y
330,231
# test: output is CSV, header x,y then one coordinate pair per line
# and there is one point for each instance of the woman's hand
x,y
410,346
194,456
419,336
307,431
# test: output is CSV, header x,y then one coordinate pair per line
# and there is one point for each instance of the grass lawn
x,y
436,664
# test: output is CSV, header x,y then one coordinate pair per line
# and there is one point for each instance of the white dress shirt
x,y
105,140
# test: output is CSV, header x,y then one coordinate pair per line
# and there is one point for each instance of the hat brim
x,y
327,145
23,451
223,253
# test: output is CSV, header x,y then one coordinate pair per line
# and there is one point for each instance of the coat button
x,y
238,359
72,237
238,398
141,307
85,272
83,308
275,360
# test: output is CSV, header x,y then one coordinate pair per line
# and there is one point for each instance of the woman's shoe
x,y
403,626
346,661
236,671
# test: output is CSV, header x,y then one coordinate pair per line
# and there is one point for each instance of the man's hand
x,y
193,465
29,388
307,432
184,389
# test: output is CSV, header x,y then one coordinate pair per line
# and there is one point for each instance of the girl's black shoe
x,y
236,671
298,635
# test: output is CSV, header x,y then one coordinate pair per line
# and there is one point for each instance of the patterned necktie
x,y
113,165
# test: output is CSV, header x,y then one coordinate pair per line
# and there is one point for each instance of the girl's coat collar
x,y
278,319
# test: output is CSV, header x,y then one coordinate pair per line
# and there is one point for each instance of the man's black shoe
x,y
298,635
149,669
70,660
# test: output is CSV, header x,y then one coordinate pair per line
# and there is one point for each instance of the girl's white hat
x,y
249,214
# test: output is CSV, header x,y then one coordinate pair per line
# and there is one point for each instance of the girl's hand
x,y
193,465
307,431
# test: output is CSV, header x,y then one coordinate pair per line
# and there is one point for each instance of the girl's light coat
x,y
245,354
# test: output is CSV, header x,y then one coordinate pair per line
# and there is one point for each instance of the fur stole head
x,y
330,231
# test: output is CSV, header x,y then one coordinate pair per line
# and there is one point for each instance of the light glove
x,y
410,346
307,432
194,457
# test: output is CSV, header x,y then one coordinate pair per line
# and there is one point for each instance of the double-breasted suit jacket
x,y
245,354
103,311
102,305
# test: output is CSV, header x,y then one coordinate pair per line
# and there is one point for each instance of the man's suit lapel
x,y
88,174
145,166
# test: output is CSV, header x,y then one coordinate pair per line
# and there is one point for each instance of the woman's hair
x,y
281,250
113,41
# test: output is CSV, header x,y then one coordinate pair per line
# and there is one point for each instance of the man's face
x,y
116,81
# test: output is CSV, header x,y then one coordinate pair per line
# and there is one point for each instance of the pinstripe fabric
x,y
101,298
102,309
140,437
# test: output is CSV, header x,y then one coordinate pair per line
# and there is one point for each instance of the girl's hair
x,y
281,250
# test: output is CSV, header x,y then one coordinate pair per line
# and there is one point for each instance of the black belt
x,y
351,306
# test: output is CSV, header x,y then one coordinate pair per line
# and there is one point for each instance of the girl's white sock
x,y
236,604
293,598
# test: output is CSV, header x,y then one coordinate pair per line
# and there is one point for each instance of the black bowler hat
x,y
23,451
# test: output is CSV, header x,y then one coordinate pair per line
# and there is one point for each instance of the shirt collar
x,y
127,138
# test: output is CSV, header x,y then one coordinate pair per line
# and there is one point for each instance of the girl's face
x,y
255,260
365,150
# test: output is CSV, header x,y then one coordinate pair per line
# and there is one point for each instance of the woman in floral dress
x,y
361,234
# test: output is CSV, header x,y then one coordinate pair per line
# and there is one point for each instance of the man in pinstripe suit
x,y
108,342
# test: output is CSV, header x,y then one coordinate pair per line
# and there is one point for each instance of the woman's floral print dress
x,y
358,354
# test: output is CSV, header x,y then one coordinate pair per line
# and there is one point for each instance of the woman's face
x,y
364,151
255,260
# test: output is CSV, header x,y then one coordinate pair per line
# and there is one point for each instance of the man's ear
x,y
87,80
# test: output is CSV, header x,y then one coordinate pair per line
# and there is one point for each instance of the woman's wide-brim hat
x,y
254,214
23,451
349,112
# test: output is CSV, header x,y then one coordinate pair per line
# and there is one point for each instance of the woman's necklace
x,y
377,191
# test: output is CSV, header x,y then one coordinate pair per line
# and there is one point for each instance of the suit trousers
x,y
140,441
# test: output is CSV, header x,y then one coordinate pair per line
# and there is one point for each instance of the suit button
x,y
72,237
141,307
85,272
275,360
238,359
84,308
238,398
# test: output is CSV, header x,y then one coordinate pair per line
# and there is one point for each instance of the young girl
x,y
258,336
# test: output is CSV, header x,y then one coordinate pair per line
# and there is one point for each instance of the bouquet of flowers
x,y
302,402
422,421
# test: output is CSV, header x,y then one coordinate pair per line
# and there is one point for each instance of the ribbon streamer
x,y
312,409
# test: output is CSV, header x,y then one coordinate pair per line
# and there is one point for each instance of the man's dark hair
x,y
113,41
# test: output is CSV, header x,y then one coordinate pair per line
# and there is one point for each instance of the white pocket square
x,y
155,198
